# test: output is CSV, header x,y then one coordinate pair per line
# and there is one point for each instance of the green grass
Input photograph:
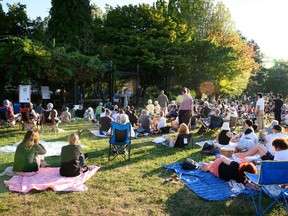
x,y
137,187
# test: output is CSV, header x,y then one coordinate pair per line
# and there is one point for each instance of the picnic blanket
x,y
50,178
162,140
97,133
52,148
204,184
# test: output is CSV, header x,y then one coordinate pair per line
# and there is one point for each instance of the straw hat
x,y
225,126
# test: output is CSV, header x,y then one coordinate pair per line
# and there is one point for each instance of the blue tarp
x,y
204,184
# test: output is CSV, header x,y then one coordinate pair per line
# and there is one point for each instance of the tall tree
x,y
70,25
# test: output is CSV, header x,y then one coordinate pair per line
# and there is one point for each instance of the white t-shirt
x,y
251,136
270,138
161,122
260,102
286,119
281,155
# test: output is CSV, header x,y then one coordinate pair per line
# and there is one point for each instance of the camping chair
x,y
182,140
4,120
26,122
120,140
47,120
272,173
216,123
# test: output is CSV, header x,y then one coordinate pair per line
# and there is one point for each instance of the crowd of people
x,y
185,114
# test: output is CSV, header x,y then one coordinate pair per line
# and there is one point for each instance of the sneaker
x,y
124,151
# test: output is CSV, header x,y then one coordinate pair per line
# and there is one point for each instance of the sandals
x,y
174,179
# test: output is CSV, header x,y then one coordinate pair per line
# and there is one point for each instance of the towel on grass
x,y
50,178
52,148
213,142
204,184
97,133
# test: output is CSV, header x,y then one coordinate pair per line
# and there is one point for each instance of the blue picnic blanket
x,y
204,184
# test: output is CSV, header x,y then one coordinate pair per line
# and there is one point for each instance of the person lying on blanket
x,y
29,154
72,158
228,169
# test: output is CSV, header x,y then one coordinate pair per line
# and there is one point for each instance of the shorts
x,y
267,156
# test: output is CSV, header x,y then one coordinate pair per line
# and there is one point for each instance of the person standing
x,y
125,98
63,95
185,108
278,103
259,111
163,102
138,94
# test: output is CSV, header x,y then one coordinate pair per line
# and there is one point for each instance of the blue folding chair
x,y
272,173
4,120
120,141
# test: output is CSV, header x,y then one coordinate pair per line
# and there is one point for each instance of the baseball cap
x,y
6,102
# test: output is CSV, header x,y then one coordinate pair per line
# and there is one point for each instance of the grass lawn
x,y
137,187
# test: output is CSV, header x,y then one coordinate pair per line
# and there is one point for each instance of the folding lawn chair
x,y
4,120
272,175
182,140
120,141
48,120
26,122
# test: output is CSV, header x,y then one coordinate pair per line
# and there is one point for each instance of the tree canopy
x,y
174,43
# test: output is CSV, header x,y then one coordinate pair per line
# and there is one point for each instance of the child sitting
x,y
72,158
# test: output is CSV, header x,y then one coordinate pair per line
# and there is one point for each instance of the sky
x,y
261,20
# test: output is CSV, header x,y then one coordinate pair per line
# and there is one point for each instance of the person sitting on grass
x,y
145,121
247,141
281,151
29,154
66,116
72,158
225,135
105,122
157,107
159,124
228,169
150,107
183,129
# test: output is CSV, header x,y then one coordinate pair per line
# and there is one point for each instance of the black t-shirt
x,y
278,104
105,123
70,163
228,172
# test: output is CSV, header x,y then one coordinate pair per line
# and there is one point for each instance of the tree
x,y
70,25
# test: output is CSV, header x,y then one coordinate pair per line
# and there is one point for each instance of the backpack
x,y
208,149
189,164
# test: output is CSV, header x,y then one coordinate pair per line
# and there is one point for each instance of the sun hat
x,y
225,126
274,122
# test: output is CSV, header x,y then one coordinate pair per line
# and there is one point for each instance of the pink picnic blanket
x,y
50,178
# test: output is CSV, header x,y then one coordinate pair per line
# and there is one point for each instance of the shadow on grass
x,y
186,202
